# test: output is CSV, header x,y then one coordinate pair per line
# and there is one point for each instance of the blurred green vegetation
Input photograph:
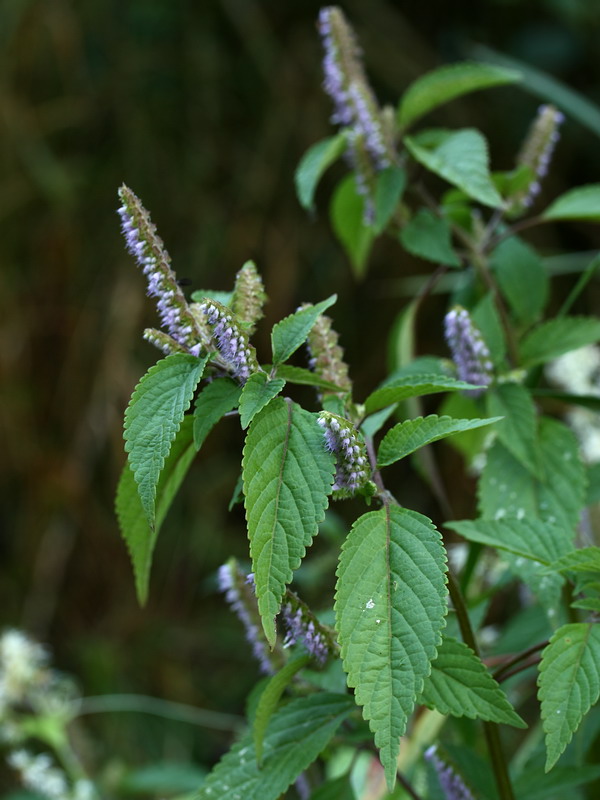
x,y
204,109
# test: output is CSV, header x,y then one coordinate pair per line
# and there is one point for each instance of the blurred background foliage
x,y
204,109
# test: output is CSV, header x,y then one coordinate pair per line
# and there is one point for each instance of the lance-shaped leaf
x,y
460,685
569,684
347,214
518,429
288,475
304,377
408,436
257,392
461,158
313,164
295,736
390,607
429,237
558,336
139,536
580,203
270,697
291,332
412,386
444,84
153,417
388,191
215,400
530,538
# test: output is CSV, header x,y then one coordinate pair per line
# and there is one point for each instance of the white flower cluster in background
x,y
578,372
22,666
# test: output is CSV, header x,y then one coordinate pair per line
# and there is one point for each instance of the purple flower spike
x,y
452,784
147,248
301,629
469,352
230,341
342,439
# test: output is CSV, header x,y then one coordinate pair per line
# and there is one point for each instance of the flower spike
x,y
342,439
469,352
229,340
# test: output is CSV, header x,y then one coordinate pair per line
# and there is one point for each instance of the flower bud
x,y
469,352
326,356
248,297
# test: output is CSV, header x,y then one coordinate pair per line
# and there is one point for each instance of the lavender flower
x,y
342,438
452,784
230,341
302,628
469,352
148,250
536,154
239,593
370,145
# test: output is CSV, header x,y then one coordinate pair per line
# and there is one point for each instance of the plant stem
x,y
498,674
491,731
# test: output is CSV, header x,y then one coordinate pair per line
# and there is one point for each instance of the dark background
x,y
204,109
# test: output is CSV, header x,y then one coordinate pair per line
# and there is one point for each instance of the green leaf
x,y
558,336
270,697
569,684
153,417
137,533
313,164
518,429
412,386
257,392
586,559
301,376
347,214
444,84
388,191
459,157
214,401
486,318
289,334
580,203
213,294
522,278
406,437
163,778
336,789
529,538
390,607
288,475
532,784
296,734
460,685
430,237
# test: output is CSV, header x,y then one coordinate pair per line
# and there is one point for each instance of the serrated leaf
x,y
390,607
444,84
313,164
588,604
459,157
269,700
406,437
518,430
460,685
301,376
388,191
139,536
522,278
288,475
586,559
347,213
214,401
257,392
291,332
558,336
529,538
296,734
412,386
580,203
430,237
569,684
153,417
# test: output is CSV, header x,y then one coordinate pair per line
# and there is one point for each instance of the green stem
x,y
491,731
